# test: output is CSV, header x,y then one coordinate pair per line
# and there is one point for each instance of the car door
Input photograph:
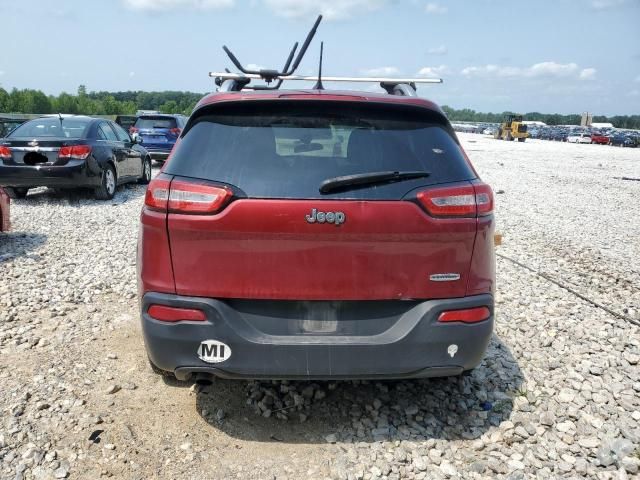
x,y
134,157
117,147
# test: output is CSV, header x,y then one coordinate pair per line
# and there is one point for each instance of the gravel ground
x,y
557,396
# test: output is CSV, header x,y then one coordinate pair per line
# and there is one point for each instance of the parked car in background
x,y
599,138
5,208
69,152
158,133
126,121
7,125
579,137
622,139
558,135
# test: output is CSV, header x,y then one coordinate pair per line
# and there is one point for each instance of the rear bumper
x,y
411,344
158,151
74,174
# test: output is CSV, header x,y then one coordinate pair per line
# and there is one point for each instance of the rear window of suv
x,y
155,122
287,149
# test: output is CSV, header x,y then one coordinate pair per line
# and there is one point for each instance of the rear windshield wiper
x,y
346,181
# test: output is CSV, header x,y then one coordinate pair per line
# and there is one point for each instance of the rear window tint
x,y
286,149
156,122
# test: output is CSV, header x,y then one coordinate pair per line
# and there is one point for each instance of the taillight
x,y
5,152
133,130
185,197
484,198
79,152
175,131
165,313
468,315
460,201
157,194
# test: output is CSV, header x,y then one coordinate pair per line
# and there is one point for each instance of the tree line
x,y
127,103
97,103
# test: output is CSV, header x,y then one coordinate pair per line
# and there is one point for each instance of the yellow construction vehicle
x,y
511,128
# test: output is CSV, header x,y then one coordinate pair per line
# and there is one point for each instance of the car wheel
x,y
107,188
146,172
16,192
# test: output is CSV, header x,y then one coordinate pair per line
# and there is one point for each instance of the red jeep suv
x,y
318,234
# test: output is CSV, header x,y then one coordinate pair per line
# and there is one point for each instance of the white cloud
x,y
606,4
439,50
132,74
587,73
433,72
166,5
435,8
490,70
381,72
254,66
334,10
543,69
1,73
551,69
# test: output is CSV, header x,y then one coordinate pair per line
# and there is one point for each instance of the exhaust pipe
x,y
202,379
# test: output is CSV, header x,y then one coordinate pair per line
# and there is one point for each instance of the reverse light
x,y
165,313
79,152
468,315
187,197
5,152
460,201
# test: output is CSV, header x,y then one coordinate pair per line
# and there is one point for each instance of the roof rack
x,y
232,82
235,82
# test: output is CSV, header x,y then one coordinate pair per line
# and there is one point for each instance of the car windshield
x,y
156,122
287,151
52,127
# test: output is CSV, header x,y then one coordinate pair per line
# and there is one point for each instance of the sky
x,y
550,56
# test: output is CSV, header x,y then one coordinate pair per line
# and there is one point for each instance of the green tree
x,y
4,100
169,107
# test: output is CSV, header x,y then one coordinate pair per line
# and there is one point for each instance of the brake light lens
x,y
5,152
469,315
460,201
79,152
157,194
133,130
175,131
185,197
165,313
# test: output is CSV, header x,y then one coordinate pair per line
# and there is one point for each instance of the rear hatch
x,y
157,130
275,235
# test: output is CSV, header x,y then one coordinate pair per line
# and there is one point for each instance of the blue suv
x,y
158,133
